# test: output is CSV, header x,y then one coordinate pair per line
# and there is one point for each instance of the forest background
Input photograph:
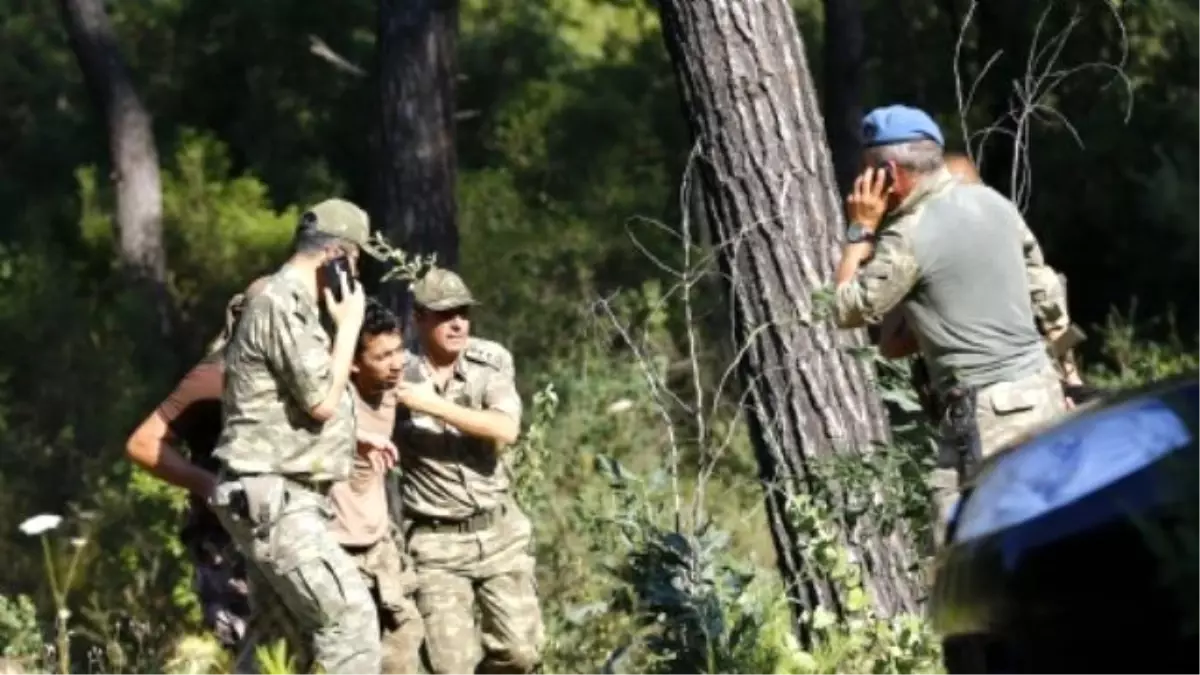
x,y
571,150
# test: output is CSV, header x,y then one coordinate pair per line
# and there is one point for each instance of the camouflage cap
x,y
342,219
441,289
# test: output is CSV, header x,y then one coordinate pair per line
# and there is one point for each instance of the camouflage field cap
x,y
342,219
441,289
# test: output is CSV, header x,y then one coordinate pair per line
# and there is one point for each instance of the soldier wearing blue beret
x,y
951,257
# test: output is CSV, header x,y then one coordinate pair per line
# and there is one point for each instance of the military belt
x,y
473,523
321,487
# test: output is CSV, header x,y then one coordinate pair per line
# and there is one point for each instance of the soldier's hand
x,y
349,310
867,202
419,398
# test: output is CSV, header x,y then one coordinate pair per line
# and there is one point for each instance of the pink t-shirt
x,y
360,503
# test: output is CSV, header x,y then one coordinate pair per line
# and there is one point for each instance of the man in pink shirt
x,y
362,522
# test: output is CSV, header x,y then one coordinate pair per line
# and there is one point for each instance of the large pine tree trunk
x,y
413,197
769,190
132,149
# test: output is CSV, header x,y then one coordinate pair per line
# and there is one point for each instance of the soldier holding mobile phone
x,y
952,256
289,433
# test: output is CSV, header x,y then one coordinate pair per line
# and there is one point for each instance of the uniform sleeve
x,y
298,355
1047,292
500,392
880,285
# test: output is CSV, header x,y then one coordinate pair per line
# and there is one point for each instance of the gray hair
x,y
921,156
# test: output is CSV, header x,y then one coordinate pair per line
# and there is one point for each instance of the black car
x,y
1076,550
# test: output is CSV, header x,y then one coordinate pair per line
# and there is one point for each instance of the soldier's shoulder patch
x,y
488,353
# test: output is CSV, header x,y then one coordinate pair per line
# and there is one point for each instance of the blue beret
x,y
899,124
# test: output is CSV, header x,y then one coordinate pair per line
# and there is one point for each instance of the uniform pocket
x,y
1008,399
320,591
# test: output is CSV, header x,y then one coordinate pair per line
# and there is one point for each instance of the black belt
x,y
472,523
321,487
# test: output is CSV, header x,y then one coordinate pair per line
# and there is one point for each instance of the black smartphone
x,y
888,177
333,271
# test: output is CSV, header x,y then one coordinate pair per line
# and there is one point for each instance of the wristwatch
x,y
856,234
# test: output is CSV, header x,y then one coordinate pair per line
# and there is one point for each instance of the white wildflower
x,y
620,406
40,524
79,542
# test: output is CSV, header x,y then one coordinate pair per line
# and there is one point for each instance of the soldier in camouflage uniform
x,y
289,433
470,541
953,255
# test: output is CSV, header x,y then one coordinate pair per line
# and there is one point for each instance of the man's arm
x,y
1047,295
500,419
865,293
150,448
493,425
315,376
150,445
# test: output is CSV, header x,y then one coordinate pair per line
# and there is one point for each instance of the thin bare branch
x,y
1033,94
317,47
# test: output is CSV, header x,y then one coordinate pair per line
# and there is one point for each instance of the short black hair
x,y
309,239
377,320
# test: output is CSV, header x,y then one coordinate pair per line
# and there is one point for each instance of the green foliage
x,y
573,131
1130,360
19,630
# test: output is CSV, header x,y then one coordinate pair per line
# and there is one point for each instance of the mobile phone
x,y
332,271
888,177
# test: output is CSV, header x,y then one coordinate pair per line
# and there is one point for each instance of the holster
x,y
922,384
960,430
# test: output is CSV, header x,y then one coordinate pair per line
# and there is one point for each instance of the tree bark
x,y
844,41
769,191
131,145
413,197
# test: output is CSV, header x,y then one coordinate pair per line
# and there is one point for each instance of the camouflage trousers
x,y
490,570
393,581
1005,412
282,529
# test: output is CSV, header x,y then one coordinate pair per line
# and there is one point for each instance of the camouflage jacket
x,y
278,366
447,474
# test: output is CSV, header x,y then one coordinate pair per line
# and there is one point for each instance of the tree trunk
x,y
843,87
769,191
413,197
131,144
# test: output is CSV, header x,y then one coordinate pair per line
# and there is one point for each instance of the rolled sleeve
x,y
879,286
1047,292
299,355
1048,296
500,393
